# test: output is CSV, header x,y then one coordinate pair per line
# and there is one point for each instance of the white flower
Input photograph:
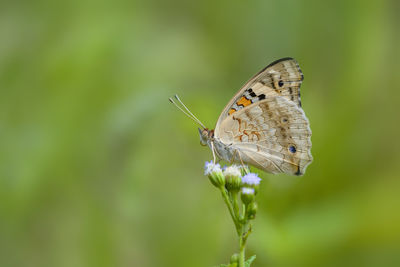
x,y
247,191
251,179
233,170
214,173
211,167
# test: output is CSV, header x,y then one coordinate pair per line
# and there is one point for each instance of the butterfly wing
x,y
272,135
264,122
282,77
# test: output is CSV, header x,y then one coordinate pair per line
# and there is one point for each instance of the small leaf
x,y
249,261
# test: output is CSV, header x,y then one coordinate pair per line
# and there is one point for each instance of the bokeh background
x,y
97,168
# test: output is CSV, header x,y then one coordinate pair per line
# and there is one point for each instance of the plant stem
x,y
239,220
242,241
242,245
230,208
235,201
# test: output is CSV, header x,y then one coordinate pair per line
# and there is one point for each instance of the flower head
x,y
248,191
214,173
211,167
233,178
232,170
247,195
251,179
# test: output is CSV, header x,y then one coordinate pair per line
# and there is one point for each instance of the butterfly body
x,y
264,125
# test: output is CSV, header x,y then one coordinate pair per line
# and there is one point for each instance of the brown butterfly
x,y
263,124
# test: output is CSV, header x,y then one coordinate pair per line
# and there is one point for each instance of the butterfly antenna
x,y
180,101
184,112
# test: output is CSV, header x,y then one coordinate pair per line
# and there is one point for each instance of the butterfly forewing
x,y
282,77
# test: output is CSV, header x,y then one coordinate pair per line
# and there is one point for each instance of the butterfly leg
x,y
212,149
241,160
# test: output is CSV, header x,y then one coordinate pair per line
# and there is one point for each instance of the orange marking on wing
x,y
231,111
256,134
243,101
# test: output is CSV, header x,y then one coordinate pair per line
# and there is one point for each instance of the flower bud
x,y
214,173
251,210
217,179
234,258
247,195
251,180
233,178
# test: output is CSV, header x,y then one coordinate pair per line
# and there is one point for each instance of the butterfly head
x,y
206,136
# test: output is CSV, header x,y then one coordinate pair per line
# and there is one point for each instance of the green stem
x,y
242,256
242,242
240,221
230,208
245,231
235,198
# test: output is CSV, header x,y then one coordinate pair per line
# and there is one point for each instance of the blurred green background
x,y
97,168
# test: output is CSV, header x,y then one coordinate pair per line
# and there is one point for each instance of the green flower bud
x,y
214,173
234,258
251,210
233,183
217,179
247,195
252,180
233,178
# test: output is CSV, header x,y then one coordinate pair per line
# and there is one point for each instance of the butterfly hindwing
x,y
272,134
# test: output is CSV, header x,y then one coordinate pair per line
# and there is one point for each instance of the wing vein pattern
x,y
264,123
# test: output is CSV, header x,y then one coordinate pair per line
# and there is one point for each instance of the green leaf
x,y
249,261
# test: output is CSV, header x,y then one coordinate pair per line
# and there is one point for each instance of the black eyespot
x,y
280,83
284,120
292,149
261,97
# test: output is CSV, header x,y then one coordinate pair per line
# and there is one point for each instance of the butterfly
x,y
263,125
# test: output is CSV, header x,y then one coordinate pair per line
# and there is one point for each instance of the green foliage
x,y
249,261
